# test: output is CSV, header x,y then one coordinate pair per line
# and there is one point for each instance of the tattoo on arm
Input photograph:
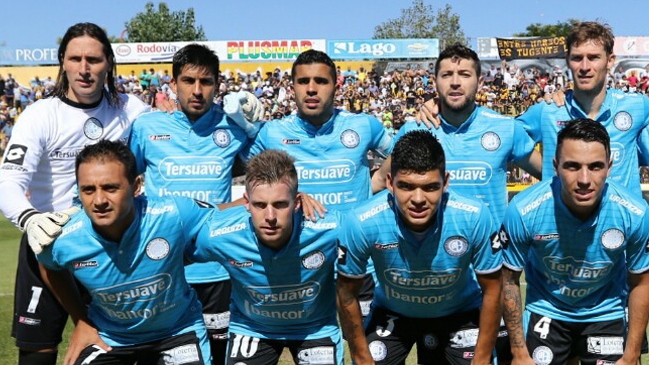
x,y
512,308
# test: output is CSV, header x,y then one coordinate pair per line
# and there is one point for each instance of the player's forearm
x,y
62,285
351,320
638,315
14,201
489,317
379,179
532,164
512,313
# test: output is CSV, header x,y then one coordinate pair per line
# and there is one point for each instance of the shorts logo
x,y
316,355
490,141
464,339
291,141
313,260
92,128
612,238
221,138
456,246
160,137
216,321
604,362
606,345
16,154
623,121
349,138
378,350
240,264
184,354
542,355
468,354
29,321
430,341
157,248
83,264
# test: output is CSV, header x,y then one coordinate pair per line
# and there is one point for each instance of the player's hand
x,y
429,114
624,361
558,97
245,109
43,228
84,335
523,361
311,207
168,105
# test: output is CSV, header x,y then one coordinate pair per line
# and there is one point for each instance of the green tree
x,y
421,21
549,30
164,26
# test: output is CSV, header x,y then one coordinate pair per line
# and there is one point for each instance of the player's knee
x,y
37,357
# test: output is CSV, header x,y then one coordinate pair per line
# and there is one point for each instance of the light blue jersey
x,y
331,161
477,154
195,160
138,288
427,278
576,271
285,295
624,115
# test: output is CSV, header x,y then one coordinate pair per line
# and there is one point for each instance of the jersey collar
x,y
575,111
464,126
327,127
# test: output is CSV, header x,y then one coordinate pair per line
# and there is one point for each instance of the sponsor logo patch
x,y
84,264
16,154
240,264
291,141
160,137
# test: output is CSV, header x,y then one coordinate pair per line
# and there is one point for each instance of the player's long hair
x,y
271,167
106,150
313,56
418,151
195,55
60,90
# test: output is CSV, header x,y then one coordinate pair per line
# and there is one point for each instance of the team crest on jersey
x,y
542,355
291,141
612,238
490,141
221,138
84,264
157,248
93,129
430,341
623,121
313,260
349,138
16,154
378,350
456,246
160,137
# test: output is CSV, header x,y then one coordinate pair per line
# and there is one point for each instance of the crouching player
x,y
437,259
281,268
127,252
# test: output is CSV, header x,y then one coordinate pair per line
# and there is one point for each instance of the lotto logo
x,y
16,154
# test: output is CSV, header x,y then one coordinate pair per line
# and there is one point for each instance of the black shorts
x,y
215,298
259,351
444,340
551,341
39,318
182,349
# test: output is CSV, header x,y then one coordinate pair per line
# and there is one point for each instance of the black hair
x,y
456,52
418,151
106,150
195,55
313,56
586,130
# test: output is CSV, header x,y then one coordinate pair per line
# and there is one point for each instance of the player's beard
x,y
468,103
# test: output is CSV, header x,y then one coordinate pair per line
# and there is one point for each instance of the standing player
x,y
580,239
84,107
478,142
191,153
624,115
131,262
281,268
329,145
437,260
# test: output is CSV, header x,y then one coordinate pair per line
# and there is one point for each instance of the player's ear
x,y
389,179
137,186
246,200
446,179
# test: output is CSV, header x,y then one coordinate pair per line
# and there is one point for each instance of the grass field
x,y
9,239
